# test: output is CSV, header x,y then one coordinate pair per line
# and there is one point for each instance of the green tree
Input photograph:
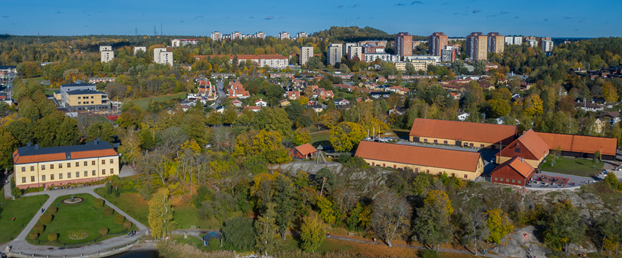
x,y
285,200
22,131
325,179
326,209
8,144
475,228
265,226
103,130
239,233
391,217
301,136
499,225
160,213
432,225
312,232
229,116
563,226
273,119
346,135
607,227
68,133
146,139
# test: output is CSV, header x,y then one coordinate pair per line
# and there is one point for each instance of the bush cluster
x,y
127,224
52,237
119,219
98,203
103,231
53,210
46,219
108,211
33,235
38,228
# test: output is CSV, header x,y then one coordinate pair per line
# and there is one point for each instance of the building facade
x,y
162,56
448,55
403,44
355,51
107,56
438,41
532,41
515,171
371,57
477,46
496,43
546,44
140,48
335,52
284,35
183,42
301,35
514,40
57,166
529,147
260,35
305,54
105,48
82,96
466,134
216,36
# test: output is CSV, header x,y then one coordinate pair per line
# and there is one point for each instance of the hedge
x,y
38,228
53,210
98,203
119,219
108,211
103,231
52,237
46,219
127,224
33,236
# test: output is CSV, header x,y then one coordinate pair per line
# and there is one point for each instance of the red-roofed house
x,y
515,171
529,146
293,95
272,61
261,103
252,108
236,90
303,151
236,103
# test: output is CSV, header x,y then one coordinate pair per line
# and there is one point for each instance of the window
x,y
103,162
32,178
43,178
481,145
112,171
384,165
51,166
60,165
68,164
94,173
103,171
92,97
60,175
93,163
465,176
394,166
425,140
513,181
77,164
496,179
501,179
427,171
373,163
86,163
68,174
32,168
86,173
77,174
470,144
416,169
92,102
23,179
445,142
517,150
51,176
440,173
42,167
519,181
111,161
79,97
79,102
23,169
435,141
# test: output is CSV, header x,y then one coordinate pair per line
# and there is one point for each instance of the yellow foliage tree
x,y
532,105
160,213
326,209
346,135
439,196
610,93
312,232
301,136
499,225
191,145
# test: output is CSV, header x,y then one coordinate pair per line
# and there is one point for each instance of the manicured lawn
x,y
187,216
131,203
79,217
572,166
20,209
320,136
144,103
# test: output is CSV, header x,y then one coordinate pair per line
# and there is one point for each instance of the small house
x,y
304,151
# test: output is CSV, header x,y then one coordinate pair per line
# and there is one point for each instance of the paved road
x,y
21,245
7,187
127,170
220,86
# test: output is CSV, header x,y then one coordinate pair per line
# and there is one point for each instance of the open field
x,y
131,203
572,166
22,209
144,102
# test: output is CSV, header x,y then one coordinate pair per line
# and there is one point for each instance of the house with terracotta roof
x,y
457,133
515,171
304,151
293,95
529,147
322,93
252,108
235,89
261,103
461,164
581,146
56,166
236,103
272,61
284,103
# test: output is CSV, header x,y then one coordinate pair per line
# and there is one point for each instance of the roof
x,y
3,67
417,155
463,131
80,92
78,84
580,143
31,154
534,144
306,149
517,164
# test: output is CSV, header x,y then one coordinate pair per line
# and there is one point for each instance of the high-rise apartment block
x,y
496,43
162,56
449,54
403,44
438,41
477,46
514,40
105,48
335,52
284,35
107,56
260,35
546,44
140,48
355,51
216,36
301,35
346,48
305,54
236,35
532,41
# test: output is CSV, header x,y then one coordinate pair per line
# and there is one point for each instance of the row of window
x,y
86,102
465,144
416,169
92,97
507,180
60,175
60,165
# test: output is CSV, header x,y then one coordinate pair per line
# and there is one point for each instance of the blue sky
x,y
457,18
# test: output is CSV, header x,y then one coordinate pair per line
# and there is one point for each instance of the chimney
x,y
36,146
29,144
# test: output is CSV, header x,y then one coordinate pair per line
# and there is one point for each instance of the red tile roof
x,y
518,165
580,143
463,131
306,149
534,144
38,158
93,154
416,155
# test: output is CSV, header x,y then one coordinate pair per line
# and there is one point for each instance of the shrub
x,y
16,192
119,219
127,224
98,203
46,219
116,192
428,254
103,231
53,210
52,237
108,187
108,211
33,235
38,228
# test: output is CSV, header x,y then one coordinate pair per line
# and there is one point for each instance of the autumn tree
x,y
346,135
285,200
265,227
533,105
475,227
160,214
432,225
563,226
8,144
391,217
499,225
272,119
312,232
103,130
301,136
130,149
264,143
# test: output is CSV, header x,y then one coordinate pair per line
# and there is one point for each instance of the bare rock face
x,y
521,243
582,249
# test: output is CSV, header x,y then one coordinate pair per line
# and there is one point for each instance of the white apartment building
x,y
335,52
354,52
301,35
514,40
107,56
426,58
284,35
305,54
371,57
140,48
532,41
183,42
236,35
346,48
161,56
105,48
216,36
546,44
260,35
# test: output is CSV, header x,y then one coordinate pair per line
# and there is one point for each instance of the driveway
x,y
20,245
220,86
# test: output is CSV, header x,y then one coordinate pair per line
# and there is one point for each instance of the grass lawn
x,y
131,203
187,216
320,136
20,209
79,217
144,102
572,166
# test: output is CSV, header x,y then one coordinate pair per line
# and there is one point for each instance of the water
x,y
137,254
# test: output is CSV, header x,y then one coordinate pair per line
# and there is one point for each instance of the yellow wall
x,y
453,142
88,98
470,175
38,171
532,162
